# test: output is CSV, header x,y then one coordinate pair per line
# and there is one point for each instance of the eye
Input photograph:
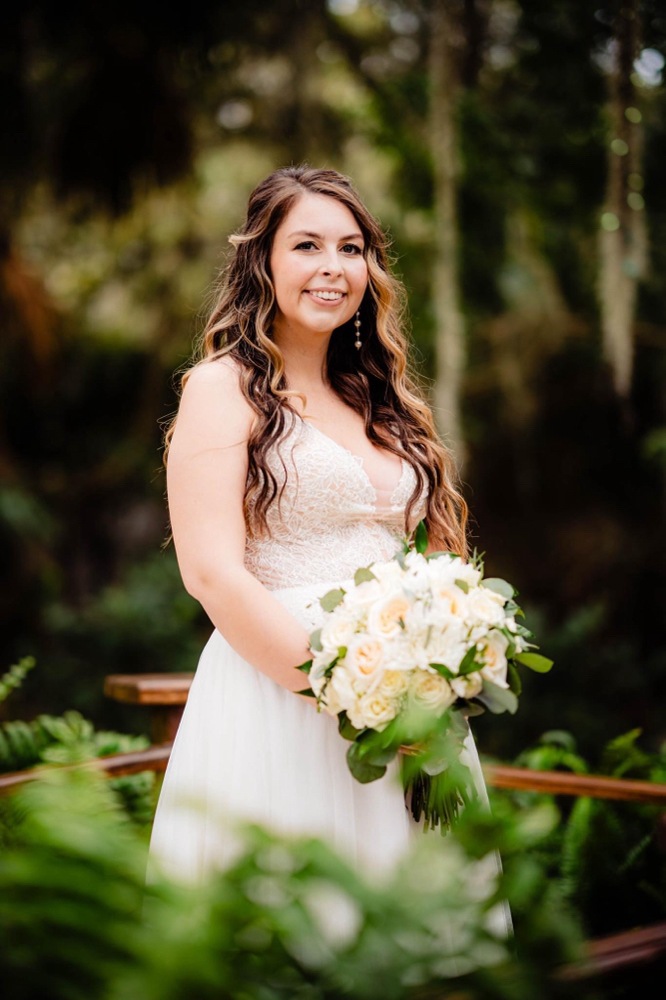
x,y
354,247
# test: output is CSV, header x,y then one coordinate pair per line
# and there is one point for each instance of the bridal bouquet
x,y
405,656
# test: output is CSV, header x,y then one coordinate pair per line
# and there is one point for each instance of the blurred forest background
x,y
513,149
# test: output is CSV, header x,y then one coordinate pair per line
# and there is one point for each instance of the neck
x,y
304,353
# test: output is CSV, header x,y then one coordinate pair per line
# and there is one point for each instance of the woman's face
x,y
318,245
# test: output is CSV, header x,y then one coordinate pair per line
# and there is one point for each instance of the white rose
x,y
432,691
365,661
373,710
485,605
494,656
385,614
468,686
337,630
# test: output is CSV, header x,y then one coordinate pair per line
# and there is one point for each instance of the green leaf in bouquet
x,y
305,667
471,709
442,669
421,537
499,586
535,662
345,728
525,632
497,699
332,598
464,586
443,552
469,663
315,640
515,683
362,574
307,691
363,770
400,559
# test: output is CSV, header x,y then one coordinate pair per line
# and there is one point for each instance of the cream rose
x,y
494,656
373,710
450,599
384,615
365,661
432,691
394,683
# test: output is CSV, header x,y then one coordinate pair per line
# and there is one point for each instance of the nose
x,y
332,264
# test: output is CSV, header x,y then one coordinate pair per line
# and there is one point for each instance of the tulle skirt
x,y
249,749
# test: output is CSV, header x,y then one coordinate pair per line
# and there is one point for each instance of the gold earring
x,y
357,324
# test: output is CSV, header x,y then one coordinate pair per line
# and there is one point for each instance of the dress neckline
x,y
358,461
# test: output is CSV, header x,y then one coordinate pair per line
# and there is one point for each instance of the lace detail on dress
x,y
331,520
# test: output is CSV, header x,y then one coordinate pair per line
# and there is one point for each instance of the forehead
x,y
320,213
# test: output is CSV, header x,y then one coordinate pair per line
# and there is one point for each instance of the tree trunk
x,y
623,240
445,37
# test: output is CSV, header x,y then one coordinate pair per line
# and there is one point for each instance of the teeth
x,y
327,295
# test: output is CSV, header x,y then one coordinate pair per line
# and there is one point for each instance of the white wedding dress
x,y
249,749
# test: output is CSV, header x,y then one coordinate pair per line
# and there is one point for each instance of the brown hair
x,y
378,381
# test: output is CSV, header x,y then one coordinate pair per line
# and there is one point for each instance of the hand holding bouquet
x,y
419,643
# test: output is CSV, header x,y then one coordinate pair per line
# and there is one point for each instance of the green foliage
x,y
15,676
71,739
289,918
606,855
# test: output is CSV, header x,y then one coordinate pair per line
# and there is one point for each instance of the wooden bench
x,y
165,694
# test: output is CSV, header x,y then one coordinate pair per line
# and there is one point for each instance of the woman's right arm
x,y
206,472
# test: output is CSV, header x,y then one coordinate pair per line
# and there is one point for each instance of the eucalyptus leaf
x,y
535,662
363,574
497,699
499,586
463,584
361,769
315,640
345,728
331,599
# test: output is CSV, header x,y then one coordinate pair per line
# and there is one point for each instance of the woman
x,y
302,449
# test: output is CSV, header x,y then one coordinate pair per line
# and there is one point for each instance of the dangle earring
x,y
357,324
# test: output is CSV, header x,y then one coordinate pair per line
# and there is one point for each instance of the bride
x,y
302,449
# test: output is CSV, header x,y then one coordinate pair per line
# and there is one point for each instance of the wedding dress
x,y
247,747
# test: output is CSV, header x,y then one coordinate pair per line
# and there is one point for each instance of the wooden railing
x,y
166,694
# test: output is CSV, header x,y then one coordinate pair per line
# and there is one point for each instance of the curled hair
x,y
378,381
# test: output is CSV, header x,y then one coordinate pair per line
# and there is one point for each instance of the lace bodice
x,y
332,518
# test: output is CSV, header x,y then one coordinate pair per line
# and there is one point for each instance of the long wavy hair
x,y
379,381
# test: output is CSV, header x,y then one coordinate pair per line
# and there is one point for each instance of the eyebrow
x,y
318,236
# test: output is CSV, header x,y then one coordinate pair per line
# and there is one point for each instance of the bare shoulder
x,y
212,390
213,411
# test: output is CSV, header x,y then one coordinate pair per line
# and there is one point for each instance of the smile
x,y
329,300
